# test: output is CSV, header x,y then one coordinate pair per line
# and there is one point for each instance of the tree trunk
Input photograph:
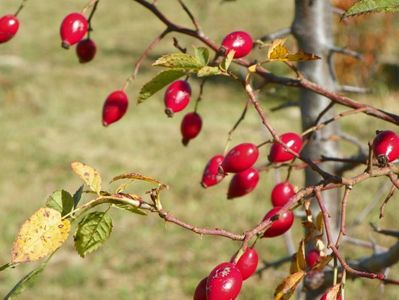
x,y
312,27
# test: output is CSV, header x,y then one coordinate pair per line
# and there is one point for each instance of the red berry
x,y
386,146
243,183
86,50
281,193
200,291
115,107
211,175
247,263
177,97
190,127
224,282
9,25
240,158
312,258
281,225
239,41
278,152
73,28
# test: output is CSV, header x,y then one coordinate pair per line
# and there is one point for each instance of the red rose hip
x,y
279,154
386,146
211,175
281,225
9,26
281,193
243,183
312,258
115,107
240,158
190,127
177,97
200,291
247,263
73,28
224,282
239,41
86,50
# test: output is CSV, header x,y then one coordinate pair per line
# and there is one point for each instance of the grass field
x,y
50,116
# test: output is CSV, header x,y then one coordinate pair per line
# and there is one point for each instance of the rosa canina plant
x,y
86,211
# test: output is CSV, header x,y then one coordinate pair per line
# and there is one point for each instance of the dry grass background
x,y
50,115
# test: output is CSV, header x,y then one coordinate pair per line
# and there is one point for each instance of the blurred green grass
x,y
50,115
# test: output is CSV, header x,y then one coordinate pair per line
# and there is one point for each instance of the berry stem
x,y
240,119
21,6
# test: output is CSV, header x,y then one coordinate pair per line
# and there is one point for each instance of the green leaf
x,y
370,6
227,61
179,61
77,196
209,71
202,55
158,82
27,281
61,201
93,230
131,208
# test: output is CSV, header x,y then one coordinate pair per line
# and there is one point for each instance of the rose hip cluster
x,y
226,279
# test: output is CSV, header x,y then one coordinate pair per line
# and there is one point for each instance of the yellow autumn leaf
x,y
40,235
89,175
286,288
278,52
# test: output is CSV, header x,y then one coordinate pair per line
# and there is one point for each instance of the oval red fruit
x,y
73,28
177,97
239,41
312,258
224,282
247,263
386,146
279,154
200,291
9,26
190,127
243,183
281,225
240,158
211,175
86,50
115,107
281,193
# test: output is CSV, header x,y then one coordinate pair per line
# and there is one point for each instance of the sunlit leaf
x,y
202,55
158,82
136,176
286,288
209,71
93,230
278,52
180,61
371,6
89,175
27,281
42,234
61,201
227,61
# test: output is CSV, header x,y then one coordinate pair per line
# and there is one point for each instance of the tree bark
x,y
312,28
